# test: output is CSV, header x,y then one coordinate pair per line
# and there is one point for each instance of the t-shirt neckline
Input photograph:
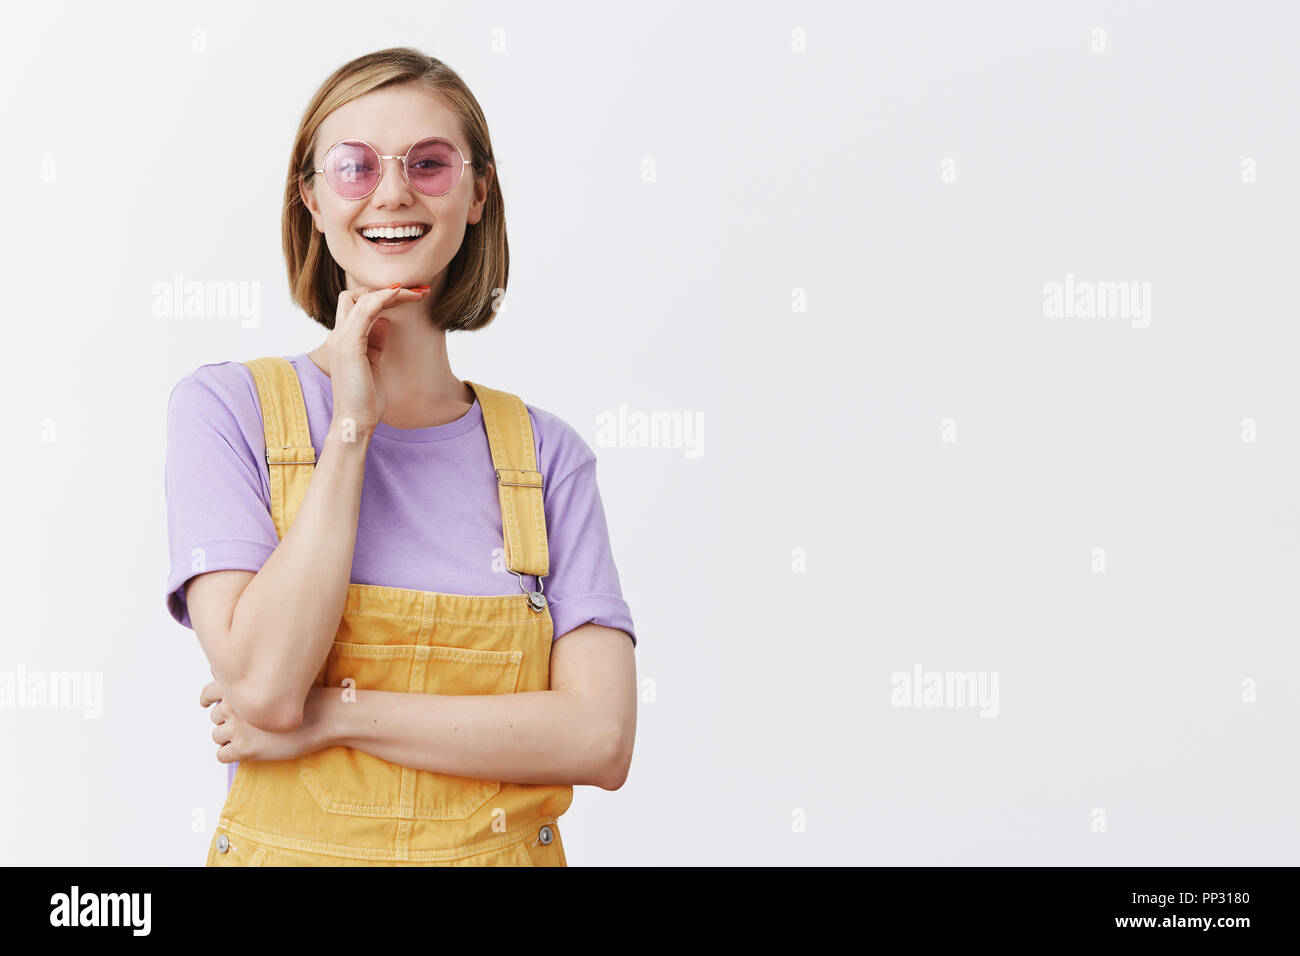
x,y
467,422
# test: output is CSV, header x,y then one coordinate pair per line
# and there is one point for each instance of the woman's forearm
x,y
547,737
288,615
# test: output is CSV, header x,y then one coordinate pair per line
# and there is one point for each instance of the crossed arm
x,y
266,634
580,731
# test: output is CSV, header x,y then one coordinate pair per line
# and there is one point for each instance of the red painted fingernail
x,y
395,285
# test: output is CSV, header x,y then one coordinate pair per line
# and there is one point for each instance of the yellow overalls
x,y
344,807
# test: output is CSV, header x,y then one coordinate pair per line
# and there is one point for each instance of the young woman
x,y
402,580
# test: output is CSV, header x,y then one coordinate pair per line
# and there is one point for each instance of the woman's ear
x,y
480,195
309,200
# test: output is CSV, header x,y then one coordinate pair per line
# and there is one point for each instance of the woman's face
x,y
392,120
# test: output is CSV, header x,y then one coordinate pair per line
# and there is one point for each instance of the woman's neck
x,y
420,388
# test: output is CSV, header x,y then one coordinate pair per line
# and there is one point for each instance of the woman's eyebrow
x,y
431,136
418,139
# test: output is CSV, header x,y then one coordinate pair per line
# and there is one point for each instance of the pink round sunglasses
x,y
353,168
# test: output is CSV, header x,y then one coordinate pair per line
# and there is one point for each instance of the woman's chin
x,y
383,279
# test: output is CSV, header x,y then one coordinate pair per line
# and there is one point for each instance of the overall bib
x,y
344,807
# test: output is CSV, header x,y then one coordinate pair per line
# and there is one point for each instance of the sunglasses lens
x,y
352,169
434,166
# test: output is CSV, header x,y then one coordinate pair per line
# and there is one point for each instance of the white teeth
x,y
393,232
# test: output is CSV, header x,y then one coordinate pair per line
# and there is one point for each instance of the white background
x,y
767,689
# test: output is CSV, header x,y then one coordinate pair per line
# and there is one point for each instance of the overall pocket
x,y
348,781
513,854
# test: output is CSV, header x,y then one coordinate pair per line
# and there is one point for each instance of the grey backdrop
x,y
826,238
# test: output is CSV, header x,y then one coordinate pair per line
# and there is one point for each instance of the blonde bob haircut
x,y
476,275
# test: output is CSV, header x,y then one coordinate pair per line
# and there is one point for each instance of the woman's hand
x,y
240,740
355,347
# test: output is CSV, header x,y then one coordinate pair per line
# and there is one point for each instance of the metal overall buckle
x,y
535,599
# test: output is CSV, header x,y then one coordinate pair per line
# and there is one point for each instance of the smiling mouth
x,y
394,235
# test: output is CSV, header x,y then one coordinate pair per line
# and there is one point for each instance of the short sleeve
x,y
218,513
583,584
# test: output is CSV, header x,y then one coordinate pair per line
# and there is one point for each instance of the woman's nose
x,y
392,184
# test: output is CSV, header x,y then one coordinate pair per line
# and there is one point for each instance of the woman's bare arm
x,y
267,635
579,732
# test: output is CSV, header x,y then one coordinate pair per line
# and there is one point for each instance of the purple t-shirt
x,y
430,516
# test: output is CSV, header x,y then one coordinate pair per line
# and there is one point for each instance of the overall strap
x,y
519,483
290,457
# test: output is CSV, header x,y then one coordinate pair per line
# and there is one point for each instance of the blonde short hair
x,y
476,276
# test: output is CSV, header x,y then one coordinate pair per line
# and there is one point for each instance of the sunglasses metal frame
x,y
382,157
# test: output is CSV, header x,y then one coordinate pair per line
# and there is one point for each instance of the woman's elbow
x,y
616,760
272,712
280,719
